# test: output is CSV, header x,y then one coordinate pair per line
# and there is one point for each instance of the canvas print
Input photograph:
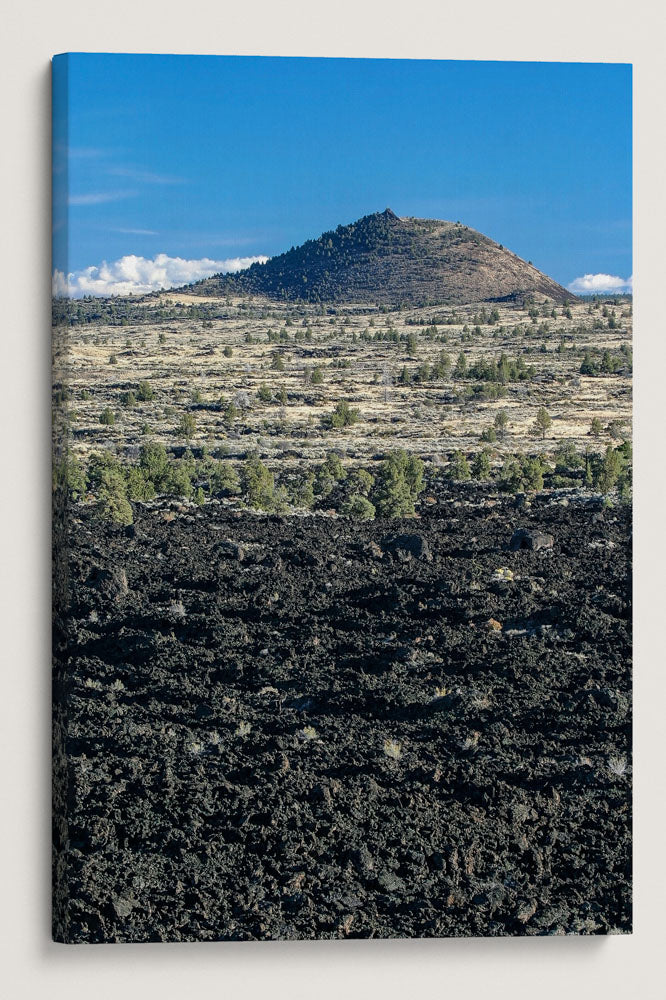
x,y
341,498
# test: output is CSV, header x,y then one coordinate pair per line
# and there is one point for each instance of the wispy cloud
x,y
144,176
85,152
79,152
135,232
590,284
132,274
99,197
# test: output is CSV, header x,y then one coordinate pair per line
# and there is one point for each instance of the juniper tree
x,y
542,421
358,508
458,467
224,478
187,426
258,483
460,369
154,463
481,467
145,392
398,485
343,415
501,423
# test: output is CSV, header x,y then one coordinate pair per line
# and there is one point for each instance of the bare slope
x,y
390,261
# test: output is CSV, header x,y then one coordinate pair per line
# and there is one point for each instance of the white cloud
x,y
141,274
144,176
591,284
99,198
136,232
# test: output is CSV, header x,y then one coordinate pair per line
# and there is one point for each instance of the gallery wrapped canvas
x,y
342,498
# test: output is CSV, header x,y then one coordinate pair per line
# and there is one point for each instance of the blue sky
x,y
229,158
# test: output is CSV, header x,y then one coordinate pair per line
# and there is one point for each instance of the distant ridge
x,y
387,260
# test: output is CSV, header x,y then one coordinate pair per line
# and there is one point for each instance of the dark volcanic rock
x,y
366,759
110,583
534,540
405,547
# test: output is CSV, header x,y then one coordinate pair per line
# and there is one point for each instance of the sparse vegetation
x,y
324,374
343,415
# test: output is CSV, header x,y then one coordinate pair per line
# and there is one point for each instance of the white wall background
x,y
630,968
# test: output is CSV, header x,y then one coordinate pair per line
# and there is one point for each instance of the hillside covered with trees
x,y
392,261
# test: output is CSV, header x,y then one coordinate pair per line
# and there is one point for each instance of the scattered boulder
x,y
406,547
231,550
372,550
111,583
533,540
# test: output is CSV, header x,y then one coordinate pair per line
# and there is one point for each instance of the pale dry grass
x,y
417,417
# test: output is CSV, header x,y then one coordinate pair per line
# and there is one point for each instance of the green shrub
x,y
75,477
154,463
139,486
361,481
443,365
460,369
324,481
144,392
358,508
115,507
398,485
264,393
481,468
501,423
187,426
258,483
188,462
112,504
107,417
533,470
511,475
542,422
229,413
304,495
343,415
224,478
567,458
607,470
178,482
102,467
458,467
522,472
335,466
